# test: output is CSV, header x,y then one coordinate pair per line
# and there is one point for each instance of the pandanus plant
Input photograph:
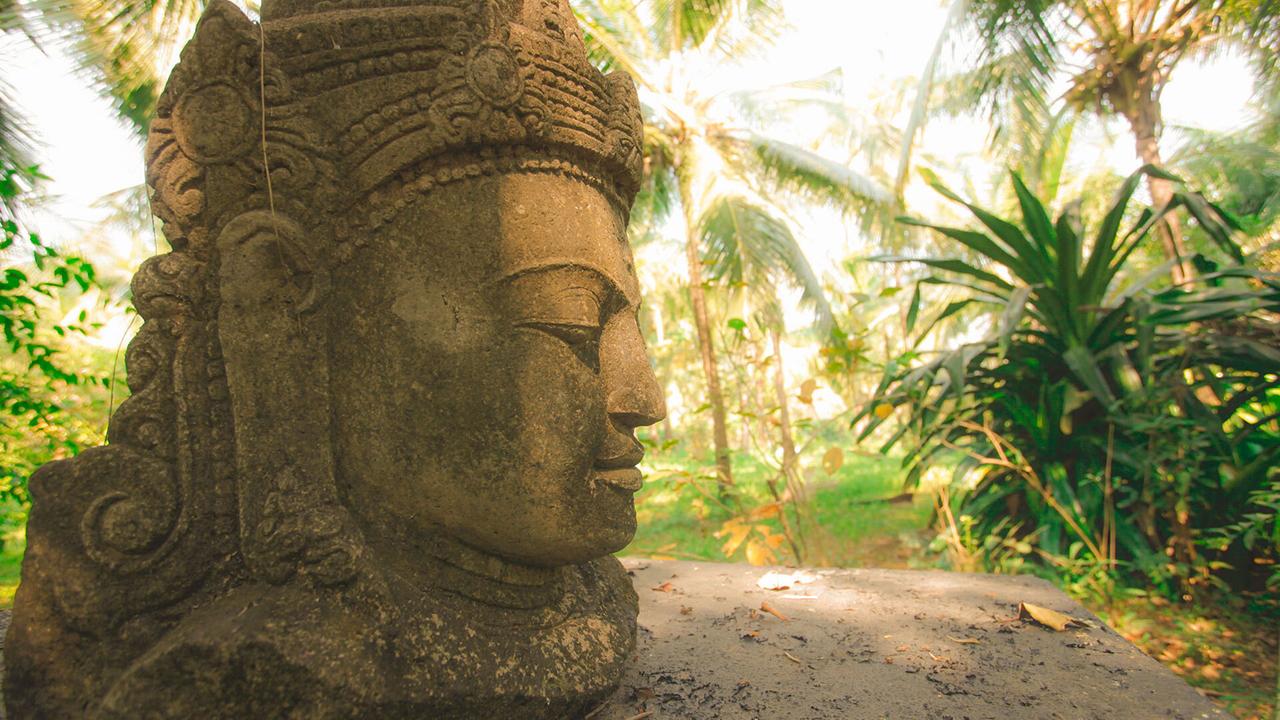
x,y
1098,418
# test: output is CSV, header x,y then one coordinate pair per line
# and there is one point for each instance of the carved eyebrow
x,y
556,264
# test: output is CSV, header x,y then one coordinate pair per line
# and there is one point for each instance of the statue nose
x,y
633,397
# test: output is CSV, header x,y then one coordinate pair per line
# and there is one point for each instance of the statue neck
x,y
440,563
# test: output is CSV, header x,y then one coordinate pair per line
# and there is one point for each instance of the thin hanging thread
x,y
262,105
115,360
266,162
115,364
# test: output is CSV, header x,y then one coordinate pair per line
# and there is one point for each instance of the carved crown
x,y
411,82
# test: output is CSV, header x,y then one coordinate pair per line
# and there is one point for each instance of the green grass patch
x,y
858,520
11,552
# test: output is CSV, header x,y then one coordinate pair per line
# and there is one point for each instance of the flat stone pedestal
x,y
877,644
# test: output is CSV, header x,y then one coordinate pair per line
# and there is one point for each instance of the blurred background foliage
x,y
1041,365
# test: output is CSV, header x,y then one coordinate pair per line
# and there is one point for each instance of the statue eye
x,y
583,340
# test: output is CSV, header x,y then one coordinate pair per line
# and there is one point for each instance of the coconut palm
x,y
753,253
125,46
17,172
707,139
1118,56
1241,169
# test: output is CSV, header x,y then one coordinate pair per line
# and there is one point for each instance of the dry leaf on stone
x,y
1049,618
665,587
766,607
965,641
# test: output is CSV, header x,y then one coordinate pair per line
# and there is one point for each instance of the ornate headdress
x,y
386,99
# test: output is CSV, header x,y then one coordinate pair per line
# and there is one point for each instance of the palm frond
x,y
794,168
615,37
17,158
1241,169
924,88
746,246
126,46
763,106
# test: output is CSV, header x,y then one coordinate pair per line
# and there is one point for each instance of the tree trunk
x,y
784,411
1145,120
697,294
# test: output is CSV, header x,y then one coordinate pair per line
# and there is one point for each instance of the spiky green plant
x,y
1116,55
1098,417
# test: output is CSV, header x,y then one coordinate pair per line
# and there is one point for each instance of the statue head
x,y
489,384
397,335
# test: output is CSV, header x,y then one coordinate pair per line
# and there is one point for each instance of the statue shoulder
x,y
262,651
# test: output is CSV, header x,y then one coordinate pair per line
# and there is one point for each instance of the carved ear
x,y
278,379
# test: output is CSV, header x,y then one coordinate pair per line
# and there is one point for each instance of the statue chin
x,y
382,434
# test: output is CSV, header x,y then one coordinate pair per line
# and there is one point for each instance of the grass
x,y
1226,648
680,513
11,552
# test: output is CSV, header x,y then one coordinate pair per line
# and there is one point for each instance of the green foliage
x,y
33,377
1106,422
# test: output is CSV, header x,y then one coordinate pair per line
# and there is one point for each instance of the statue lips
x,y
620,471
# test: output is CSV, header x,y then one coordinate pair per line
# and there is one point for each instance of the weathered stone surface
x,y
381,438
879,644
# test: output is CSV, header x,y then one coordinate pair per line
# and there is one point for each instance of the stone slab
x,y
878,644
874,644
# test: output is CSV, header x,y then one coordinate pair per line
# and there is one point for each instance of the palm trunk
x,y
795,531
697,294
1145,120
784,411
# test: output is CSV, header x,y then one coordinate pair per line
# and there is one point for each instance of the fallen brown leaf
x,y
1049,618
665,587
686,610
965,641
765,606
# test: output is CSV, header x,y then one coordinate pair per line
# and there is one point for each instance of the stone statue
x,y
381,438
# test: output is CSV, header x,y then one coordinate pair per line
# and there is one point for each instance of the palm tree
x,y
126,47
700,145
17,164
751,251
1241,169
1118,56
